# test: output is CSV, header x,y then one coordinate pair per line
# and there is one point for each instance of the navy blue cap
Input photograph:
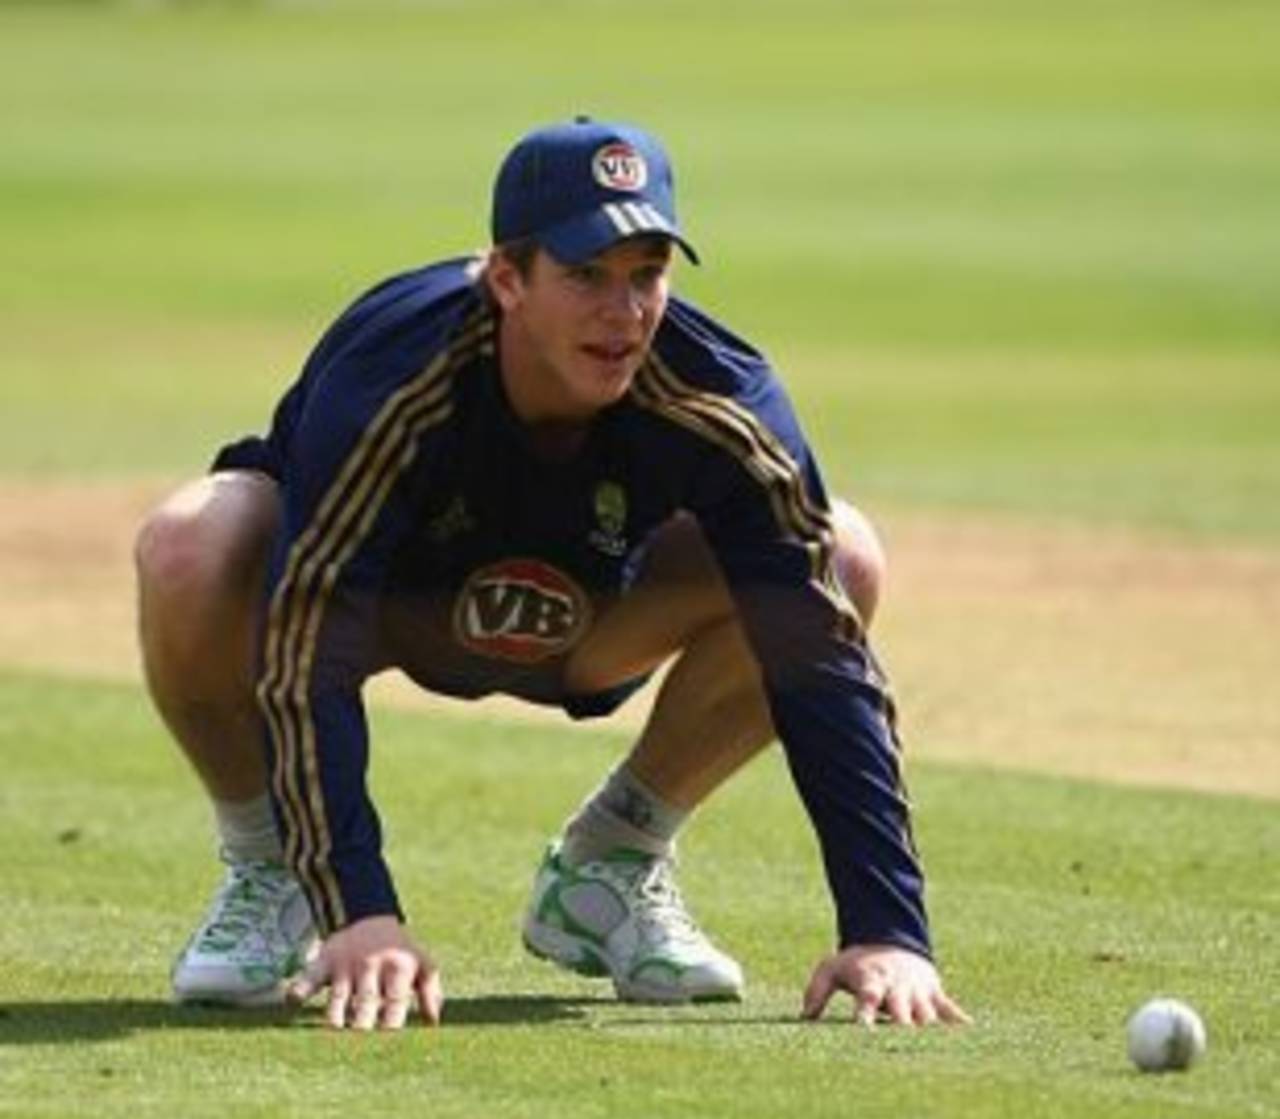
x,y
579,187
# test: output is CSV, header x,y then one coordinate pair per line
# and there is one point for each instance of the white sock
x,y
622,812
247,830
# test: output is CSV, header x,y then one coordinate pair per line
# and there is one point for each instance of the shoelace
x,y
664,907
238,909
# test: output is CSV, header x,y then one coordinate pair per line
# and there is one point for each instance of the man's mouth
x,y
610,351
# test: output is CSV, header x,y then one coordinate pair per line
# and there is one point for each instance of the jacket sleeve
x,y
363,429
763,507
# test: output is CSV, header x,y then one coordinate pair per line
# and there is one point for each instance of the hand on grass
x,y
885,981
375,972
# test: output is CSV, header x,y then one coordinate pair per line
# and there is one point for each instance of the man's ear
x,y
503,278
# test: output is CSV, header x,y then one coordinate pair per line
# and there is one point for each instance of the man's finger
x,y
898,1003
822,985
368,997
951,1011
922,1010
870,996
304,985
335,1012
430,992
395,1010
397,997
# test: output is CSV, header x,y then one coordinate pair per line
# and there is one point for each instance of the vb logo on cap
x,y
619,167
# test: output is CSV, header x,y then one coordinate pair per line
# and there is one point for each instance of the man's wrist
x,y
887,940
365,889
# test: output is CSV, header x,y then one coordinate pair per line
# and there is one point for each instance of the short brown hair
x,y
520,252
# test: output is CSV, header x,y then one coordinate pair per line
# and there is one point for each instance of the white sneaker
x,y
256,934
623,916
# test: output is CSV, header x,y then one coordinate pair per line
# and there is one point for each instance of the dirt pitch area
x,y
1098,653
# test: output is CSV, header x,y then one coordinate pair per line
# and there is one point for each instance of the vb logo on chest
x,y
520,610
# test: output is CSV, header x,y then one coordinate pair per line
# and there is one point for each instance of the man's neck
x,y
552,434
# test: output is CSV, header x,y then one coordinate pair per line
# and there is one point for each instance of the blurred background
x,y
1019,262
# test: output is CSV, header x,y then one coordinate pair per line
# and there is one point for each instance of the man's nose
x,y
623,300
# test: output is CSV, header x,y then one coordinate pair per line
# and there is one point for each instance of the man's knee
x,y
860,558
167,552
681,596
209,537
683,565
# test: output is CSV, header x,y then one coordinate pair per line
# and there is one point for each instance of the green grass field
x,y
1060,906
1029,252
1016,258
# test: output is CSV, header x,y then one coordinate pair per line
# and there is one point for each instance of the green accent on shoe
x,y
623,916
255,935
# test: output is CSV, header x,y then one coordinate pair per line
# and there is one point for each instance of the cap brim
x,y
586,235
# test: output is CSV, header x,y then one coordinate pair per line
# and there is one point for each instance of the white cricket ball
x,y
1165,1034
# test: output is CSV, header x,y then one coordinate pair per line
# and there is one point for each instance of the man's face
x,y
574,335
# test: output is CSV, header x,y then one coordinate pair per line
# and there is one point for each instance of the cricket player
x,y
534,472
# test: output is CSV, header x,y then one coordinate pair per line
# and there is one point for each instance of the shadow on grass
x,y
664,1018
42,1023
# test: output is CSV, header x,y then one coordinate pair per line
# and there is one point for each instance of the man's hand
x,y
374,971
884,980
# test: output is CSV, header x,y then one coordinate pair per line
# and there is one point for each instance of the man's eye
x,y
584,275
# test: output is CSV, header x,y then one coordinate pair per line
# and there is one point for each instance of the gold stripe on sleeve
x,y
342,521
742,434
